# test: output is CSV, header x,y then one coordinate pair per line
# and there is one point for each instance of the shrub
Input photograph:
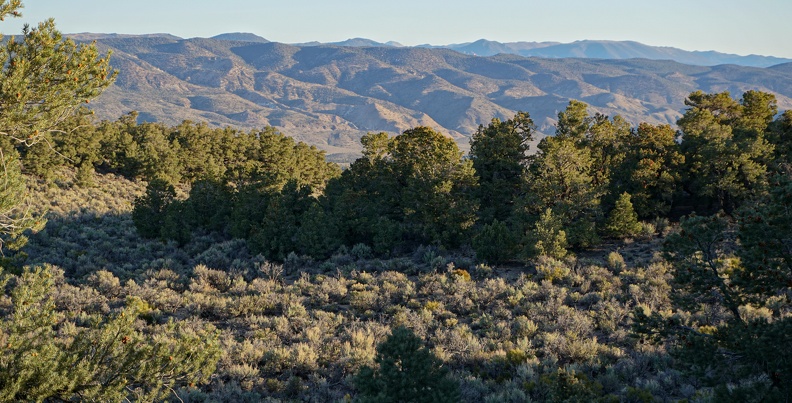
x,y
361,251
616,262
551,269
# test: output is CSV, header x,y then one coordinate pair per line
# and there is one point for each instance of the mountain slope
x,y
330,95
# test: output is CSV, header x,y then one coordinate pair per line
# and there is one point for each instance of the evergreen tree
x,y
622,221
548,237
365,198
742,355
560,179
208,206
406,372
607,141
411,189
765,233
111,359
724,147
495,243
149,211
436,199
499,155
15,217
651,170
276,235
43,81
574,122
780,135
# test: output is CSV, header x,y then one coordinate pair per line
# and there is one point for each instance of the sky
x,y
730,26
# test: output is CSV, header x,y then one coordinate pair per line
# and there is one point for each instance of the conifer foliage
x,y
46,355
43,81
623,221
407,372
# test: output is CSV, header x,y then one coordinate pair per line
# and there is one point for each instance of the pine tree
x,y
499,155
44,79
407,372
725,149
111,359
623,221
149,211
495,243
548,237
15,217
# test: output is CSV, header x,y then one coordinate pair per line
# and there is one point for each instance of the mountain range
x,y
586,49
330,94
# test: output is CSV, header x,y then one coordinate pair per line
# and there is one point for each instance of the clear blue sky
x,y
733,26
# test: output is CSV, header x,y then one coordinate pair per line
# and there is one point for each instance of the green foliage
x,y
150,209
570,386
724,146
298,334
697,255
15,216
46,356
608,140
407,372
496,243
418,190
435,200
573,122
765,233
651,170
547,237
208,205
780,136
499,155
622,221
318,233
745,350
561,179
551,269
275,236
43,81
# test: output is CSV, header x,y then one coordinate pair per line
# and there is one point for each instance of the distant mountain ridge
x,y
329,95
587,49
240,36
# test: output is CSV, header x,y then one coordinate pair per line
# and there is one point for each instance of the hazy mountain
x,y
483,47
353,42
240,36
590,49
633,50
331,95
363,42
89,36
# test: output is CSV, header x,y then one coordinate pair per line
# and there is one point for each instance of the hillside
x,y
329,95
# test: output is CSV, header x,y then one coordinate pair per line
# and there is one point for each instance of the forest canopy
x,y
614,262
